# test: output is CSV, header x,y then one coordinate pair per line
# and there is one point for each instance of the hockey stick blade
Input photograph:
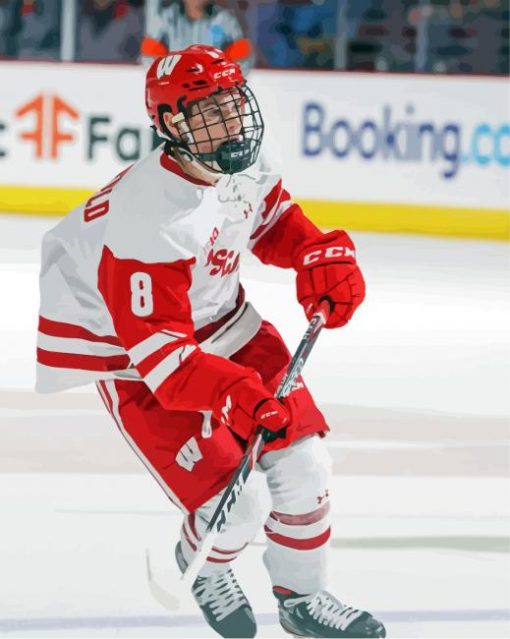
x,y
159,593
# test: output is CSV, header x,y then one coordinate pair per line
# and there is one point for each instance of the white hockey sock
x,y
219,558
297,549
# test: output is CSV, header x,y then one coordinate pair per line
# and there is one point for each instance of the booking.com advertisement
x,y
336,137
392,138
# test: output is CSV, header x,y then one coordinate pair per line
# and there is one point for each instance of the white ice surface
x,y
74,548
429,553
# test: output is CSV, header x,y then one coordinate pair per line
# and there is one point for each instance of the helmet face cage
x,y
224,131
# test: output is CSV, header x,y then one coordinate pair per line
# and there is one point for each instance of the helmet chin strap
x,y
232,156
192,160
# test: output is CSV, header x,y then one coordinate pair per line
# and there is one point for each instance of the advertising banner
x,y
392,138
70,125
372,151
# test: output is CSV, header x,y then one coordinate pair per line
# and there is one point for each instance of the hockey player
x,y
140,293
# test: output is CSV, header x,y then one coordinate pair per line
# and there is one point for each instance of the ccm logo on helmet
x,y
328,254
225,73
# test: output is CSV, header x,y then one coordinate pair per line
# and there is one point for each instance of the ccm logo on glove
x,y
328,271
247,405
272,413
328,253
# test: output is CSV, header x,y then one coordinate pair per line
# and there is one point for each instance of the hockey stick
x,y
236,485
158,592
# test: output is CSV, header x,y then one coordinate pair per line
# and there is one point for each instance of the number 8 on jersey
x,y
142,303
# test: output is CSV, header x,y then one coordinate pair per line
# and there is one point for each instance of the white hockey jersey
x,y
147,269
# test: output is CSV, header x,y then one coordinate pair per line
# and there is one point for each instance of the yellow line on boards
x,y
410,218
41,200
357,216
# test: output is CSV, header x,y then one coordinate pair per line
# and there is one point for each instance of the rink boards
x,y
396,153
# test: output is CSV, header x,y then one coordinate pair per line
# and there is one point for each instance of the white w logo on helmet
x,y
167,65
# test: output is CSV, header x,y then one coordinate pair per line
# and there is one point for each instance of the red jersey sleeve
x,y
282,230
151,313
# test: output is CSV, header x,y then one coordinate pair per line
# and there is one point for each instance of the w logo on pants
x,y
189,454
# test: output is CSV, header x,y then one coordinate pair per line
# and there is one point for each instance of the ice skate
x,y
222,601
321,615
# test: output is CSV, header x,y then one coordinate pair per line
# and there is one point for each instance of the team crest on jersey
x,y
223,262
211,241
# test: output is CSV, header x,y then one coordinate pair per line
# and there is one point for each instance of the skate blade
x,y
291,632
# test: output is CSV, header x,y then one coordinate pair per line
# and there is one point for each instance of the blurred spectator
x,y
381,37
492,24
109,31
247,13
438,36
10,25
297,33
435,36
482,28
176,25
39,36
465,36
314,27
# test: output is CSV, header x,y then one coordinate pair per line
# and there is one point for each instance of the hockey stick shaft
x,y
250,457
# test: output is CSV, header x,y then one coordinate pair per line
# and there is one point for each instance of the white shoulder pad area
x,y
266,176
271,202
143,223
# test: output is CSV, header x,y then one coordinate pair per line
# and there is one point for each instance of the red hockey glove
x,y
247,404
328,270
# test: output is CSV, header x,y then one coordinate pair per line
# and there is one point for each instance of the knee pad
x,y
298,478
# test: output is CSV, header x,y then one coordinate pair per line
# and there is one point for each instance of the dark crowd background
x,y
431,36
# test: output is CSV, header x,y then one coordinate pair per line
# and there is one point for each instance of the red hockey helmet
x,y
187,76
182,79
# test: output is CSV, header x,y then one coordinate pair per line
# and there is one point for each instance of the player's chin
x,y
230,139
212,167
212,147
